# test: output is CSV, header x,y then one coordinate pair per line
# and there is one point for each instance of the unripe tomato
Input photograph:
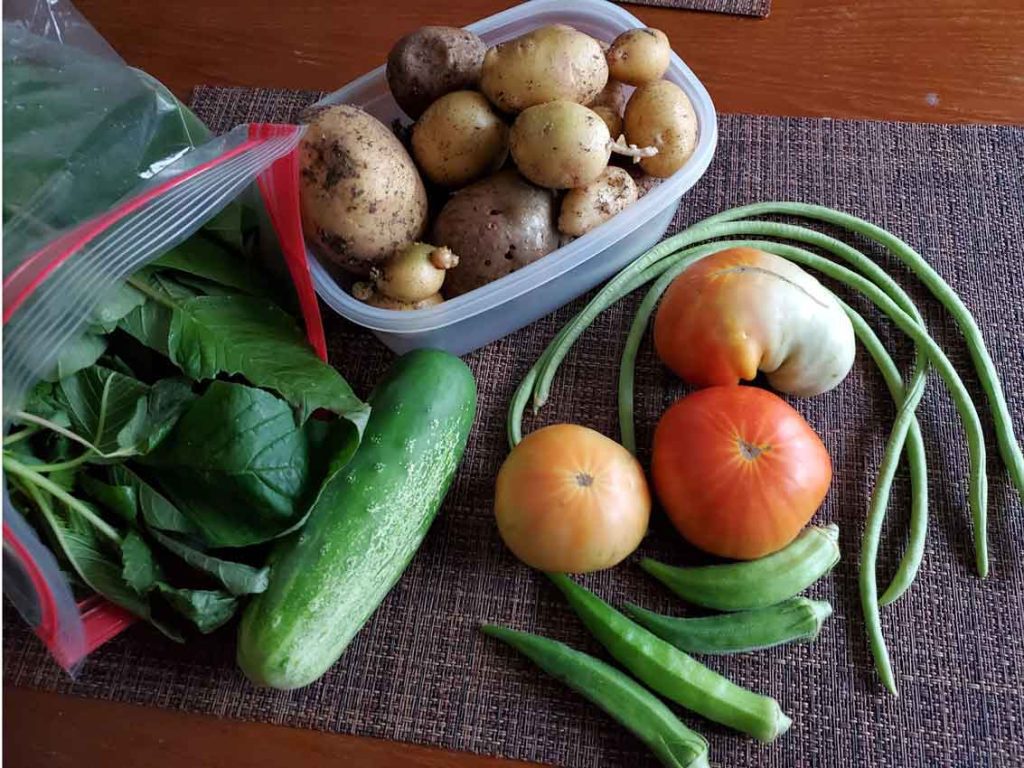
x,y
569,499
738,470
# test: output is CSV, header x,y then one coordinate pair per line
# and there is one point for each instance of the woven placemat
x,y
759,8
420,671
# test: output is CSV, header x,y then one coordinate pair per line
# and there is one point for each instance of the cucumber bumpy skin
x,y
365,527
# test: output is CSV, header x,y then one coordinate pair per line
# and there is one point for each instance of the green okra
x,y
670,672
628,702
754,583
796,619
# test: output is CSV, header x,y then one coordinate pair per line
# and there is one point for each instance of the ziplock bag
x,y
104,171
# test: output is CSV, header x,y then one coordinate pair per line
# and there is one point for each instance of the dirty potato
x,y
549,63
560,144
459,139
430,62
659,114
496,226
361,195
586,207
639,56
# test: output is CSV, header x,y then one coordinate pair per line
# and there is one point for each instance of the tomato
x,y
569,499
738,470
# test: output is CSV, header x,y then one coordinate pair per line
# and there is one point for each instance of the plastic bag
x,y
104,171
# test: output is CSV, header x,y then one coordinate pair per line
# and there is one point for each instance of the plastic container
x,y
474,319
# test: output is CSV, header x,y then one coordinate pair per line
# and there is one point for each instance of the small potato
x,y
659,114
430,62
459,139
549,63
366,293
586,207
611,118
560,144
613,95
497,225
639,56
361,195
415,273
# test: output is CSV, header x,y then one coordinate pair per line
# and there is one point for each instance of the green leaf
x,y
77,354
149,325
237,578
122,500
236,465
109,409
208,609
119,415
119,301
139,569
44,401
157,511
214,261
227,226
212,335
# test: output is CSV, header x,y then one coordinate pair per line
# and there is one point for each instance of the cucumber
x,y
365,527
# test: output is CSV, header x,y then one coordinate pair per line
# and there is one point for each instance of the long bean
x,y
632,705
916,460
1009,446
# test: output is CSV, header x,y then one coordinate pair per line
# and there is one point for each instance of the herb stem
x,y
41,481
156,296
17,437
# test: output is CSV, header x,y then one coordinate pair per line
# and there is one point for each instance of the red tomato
x,y
569,499
738,471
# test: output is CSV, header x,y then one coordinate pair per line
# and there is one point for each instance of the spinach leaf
x,y
214,261
77,354
157,511
211,335
237,578
139,569
149,324
122,500
119,301
236,465
44,401
207,609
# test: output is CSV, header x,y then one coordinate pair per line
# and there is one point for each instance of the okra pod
x,y
792,620
670,672
628,702
754,583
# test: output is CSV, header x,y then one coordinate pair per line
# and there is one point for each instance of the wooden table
x,y
919,60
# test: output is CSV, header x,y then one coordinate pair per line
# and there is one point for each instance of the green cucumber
x,y
365,527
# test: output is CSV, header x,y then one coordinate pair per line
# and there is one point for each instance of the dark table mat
x,y
420,671
759,8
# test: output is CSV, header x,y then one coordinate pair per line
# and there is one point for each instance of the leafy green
x,y
237,578
120,499
139,568
44,401
156,511
119,301
211,335
149,324
208,609
77,354
212,260
236,465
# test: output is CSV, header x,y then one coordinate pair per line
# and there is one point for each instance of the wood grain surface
x,y
919,60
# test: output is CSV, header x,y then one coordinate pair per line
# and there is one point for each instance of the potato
x,y
586,207
613,95
549,63
659,114
639,56
560,144
414,273
459,139
430,62
496,225
362,198
611,118
366,293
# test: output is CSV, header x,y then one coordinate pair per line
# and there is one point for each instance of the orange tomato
x,y
738,471
569,499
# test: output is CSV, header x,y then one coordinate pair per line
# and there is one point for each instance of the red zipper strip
x,y
68,244
46,629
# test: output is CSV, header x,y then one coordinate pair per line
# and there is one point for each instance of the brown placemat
x,y
759,8
421,672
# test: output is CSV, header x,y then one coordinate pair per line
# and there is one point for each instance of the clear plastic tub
x,y
474,319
